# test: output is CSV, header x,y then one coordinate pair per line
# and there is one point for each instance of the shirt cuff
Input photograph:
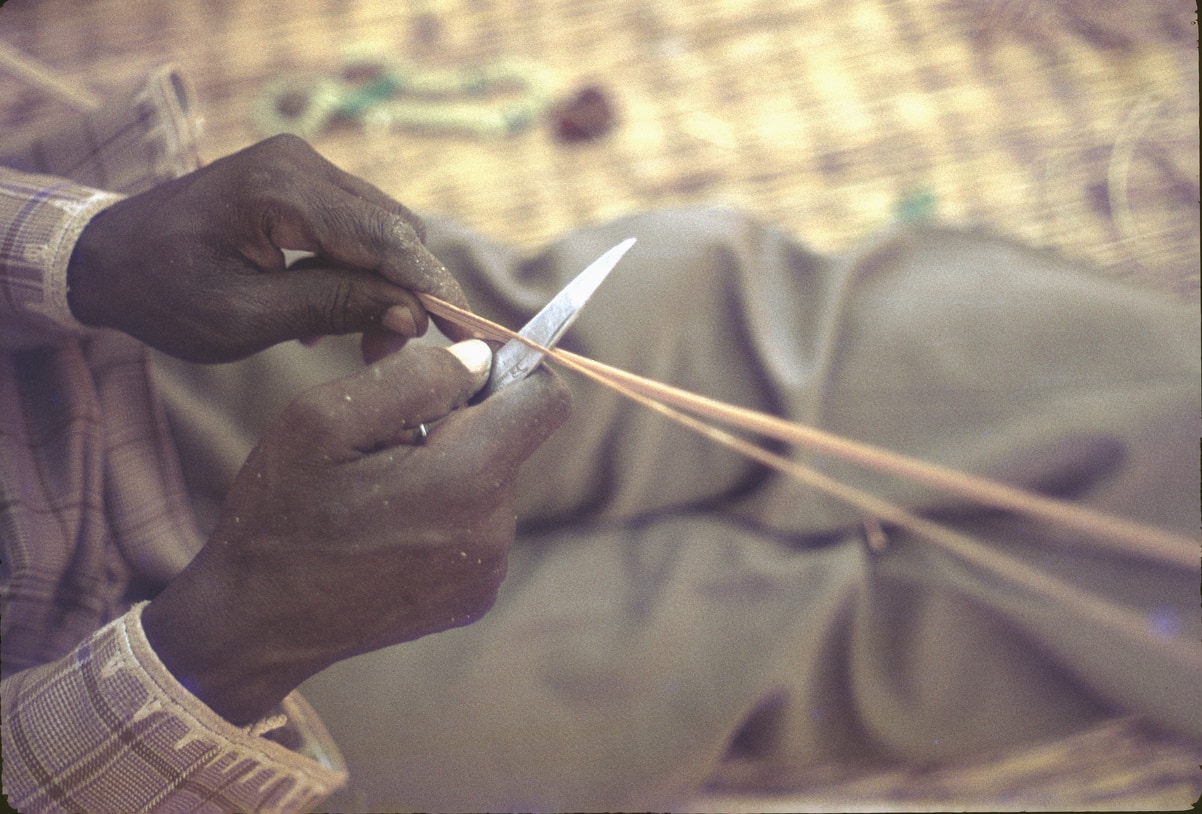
x,y
108,728
43,217
76,216
316,754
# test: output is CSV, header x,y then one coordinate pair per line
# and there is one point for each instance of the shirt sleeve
x,y
134,739
41,219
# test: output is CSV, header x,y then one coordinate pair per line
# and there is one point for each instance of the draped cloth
x,y
671,605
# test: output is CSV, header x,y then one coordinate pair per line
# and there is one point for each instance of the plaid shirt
x,y
94,518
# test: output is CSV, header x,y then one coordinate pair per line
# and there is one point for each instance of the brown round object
x,y
585,117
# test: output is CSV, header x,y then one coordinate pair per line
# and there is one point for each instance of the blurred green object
x,y
497,100
917,206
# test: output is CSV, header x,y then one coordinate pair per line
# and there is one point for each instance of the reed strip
x,y
1099,528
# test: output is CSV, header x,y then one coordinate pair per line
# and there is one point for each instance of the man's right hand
x,y
335,540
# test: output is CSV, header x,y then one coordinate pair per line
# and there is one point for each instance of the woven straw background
x,y
1066,123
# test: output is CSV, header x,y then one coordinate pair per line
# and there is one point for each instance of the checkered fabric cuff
x,y
109,728
41,219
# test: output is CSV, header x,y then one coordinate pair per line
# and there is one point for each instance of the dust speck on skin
x,y
346,396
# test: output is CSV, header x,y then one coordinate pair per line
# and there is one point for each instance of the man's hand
x,y
195,267
335,540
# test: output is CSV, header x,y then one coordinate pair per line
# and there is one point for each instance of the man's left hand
x,y
195,267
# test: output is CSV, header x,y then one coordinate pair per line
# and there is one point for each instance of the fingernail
x,y
399,319
475,355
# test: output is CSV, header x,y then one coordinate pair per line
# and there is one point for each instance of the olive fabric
x,y
671,605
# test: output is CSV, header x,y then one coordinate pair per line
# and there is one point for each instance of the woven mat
x,y
1066,123
830,118
1118,766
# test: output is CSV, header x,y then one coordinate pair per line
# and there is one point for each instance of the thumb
x,y
368,409
315,300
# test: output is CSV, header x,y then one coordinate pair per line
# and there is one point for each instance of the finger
x,y
352,223
366,410
397,325
306,203
400,256
316,301
453,294
373,194
318,166
290,165
508,426
347,230
374,345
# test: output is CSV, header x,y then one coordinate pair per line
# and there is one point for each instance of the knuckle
x,y
390,233
354,223
416,224
271,210
409,226
288,145
274,166
335,310
383,227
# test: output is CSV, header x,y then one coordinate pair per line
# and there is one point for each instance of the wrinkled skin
x,y
337,537
331,544
195,267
